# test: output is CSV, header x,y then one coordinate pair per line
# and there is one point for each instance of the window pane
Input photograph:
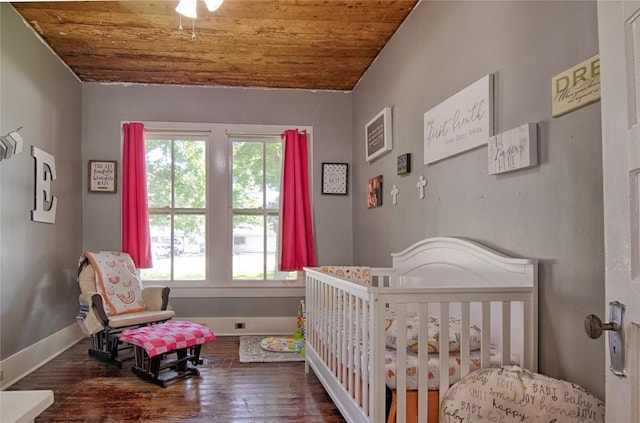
x,y
273,172
158,154
248,174
159,226
190,170
248,247
189,247
273,223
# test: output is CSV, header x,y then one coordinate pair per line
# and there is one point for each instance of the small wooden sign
x,y
576,87
514,149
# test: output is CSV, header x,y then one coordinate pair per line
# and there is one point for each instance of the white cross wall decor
x,y
422,182
394,195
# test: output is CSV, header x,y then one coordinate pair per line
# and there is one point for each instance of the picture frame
x,y
103,176
374,192
378,135
335,178
403,164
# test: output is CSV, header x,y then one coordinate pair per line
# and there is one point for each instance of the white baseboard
x,y
226,326
23,362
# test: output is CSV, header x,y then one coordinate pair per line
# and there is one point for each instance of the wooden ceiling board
x,y
304,44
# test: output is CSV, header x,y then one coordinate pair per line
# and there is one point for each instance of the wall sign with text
x,y
514,149
576,87
378,134
103,176
460,123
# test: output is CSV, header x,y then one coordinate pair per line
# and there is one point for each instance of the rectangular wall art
x,y
576,87
335,178
374,192
378,133
514,149
460,123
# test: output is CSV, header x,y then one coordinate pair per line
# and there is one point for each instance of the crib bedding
x,y
433,367
412,328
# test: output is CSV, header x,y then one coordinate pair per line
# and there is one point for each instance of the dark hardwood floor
x,y
87,390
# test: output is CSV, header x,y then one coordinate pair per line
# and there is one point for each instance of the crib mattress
x,y
433,367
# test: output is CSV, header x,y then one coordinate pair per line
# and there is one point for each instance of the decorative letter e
x,y
46,204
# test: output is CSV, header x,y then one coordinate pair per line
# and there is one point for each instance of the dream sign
x,y
576,87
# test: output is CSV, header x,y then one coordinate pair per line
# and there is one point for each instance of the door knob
x,y
594,326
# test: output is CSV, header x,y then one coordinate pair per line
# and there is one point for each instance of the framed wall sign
x,y
377,134
335,178
460,123
103,176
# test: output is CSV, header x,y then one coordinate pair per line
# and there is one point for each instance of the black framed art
x,y
335,178
404,164
103,176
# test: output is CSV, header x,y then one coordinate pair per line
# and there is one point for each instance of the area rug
x,y
251,352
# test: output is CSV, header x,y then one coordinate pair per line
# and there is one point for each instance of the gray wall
x,y
105,106
552,212
38,291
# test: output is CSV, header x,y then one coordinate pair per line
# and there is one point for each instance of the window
x,y
256,164
214,209
176,185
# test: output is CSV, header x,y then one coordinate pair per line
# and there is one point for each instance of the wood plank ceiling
x,y
303,44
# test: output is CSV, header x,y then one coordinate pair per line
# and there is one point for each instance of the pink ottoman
x,y
153,343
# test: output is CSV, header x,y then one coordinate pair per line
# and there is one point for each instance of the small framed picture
x,y
374,192
335,178
103,176
404,164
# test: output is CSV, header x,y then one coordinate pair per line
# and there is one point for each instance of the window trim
x,y
219,282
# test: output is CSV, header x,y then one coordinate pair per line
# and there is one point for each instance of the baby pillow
x,y
512,394
433,341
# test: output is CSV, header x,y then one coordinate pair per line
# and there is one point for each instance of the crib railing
x,y
345,336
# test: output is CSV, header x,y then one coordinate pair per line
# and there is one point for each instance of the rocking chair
x,y
112,299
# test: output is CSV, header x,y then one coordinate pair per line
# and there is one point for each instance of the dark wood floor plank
x,y
86,390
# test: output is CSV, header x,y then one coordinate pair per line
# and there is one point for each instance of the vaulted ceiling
x,y
304,44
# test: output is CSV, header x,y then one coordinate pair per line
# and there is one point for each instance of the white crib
x,y
443,277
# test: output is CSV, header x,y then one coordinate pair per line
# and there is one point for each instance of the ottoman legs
x,y
162,372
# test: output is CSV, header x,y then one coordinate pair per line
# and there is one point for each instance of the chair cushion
x,y
117,281
512,394
131,319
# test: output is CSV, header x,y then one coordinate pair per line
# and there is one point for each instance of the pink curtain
x,y
135,213
297,245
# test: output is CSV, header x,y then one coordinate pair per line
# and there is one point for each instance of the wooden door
x,y
619,38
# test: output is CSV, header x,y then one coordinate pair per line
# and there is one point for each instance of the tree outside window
x,y
177,186
256,179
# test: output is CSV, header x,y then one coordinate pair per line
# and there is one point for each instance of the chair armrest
x,y
94,300
156,297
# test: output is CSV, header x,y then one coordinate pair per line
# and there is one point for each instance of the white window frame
x,y
219,237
